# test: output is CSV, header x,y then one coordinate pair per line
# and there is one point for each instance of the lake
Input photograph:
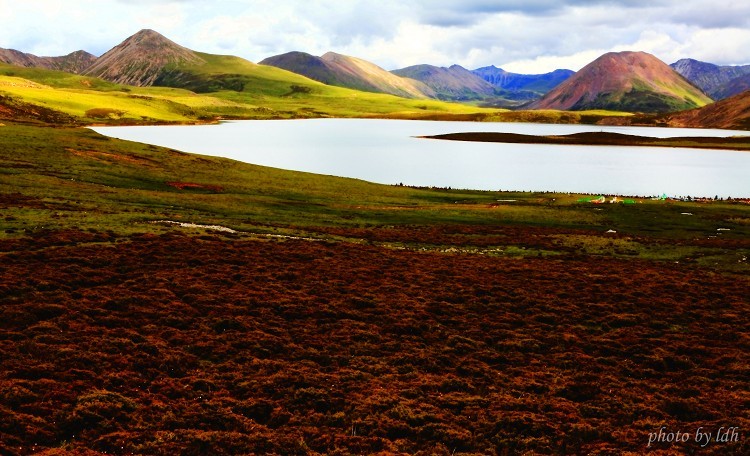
x,y
389,152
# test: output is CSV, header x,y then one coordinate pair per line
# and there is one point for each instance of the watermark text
x,y
701,436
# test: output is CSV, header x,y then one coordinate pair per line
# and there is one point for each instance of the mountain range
x,y
453,83
491,85
533,85
150,59
718,82
624,81
351,72
75,62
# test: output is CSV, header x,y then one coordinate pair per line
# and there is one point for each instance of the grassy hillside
x,y
287,93
120,185
231,87
225,87
77,178
75,95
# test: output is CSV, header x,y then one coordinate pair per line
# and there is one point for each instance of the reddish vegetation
x,y
503,235
193,185
180,345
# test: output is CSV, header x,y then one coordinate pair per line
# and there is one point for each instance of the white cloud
x,y
547,63
729,46
165,17
412,44
520,35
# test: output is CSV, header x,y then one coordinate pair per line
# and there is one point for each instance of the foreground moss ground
x,y
175,344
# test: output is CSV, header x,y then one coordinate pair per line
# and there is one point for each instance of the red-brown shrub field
x,y
197,345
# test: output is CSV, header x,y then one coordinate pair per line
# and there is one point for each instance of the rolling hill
x,y
452,83
625,81
718,82
350,72
310,66
75,62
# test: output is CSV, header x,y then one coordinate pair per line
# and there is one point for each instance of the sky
x,y
522,36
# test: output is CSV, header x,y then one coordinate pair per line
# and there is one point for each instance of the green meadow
x,y
261,95
57,179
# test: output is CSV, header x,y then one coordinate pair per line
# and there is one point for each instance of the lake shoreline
x,y
601,139
389,152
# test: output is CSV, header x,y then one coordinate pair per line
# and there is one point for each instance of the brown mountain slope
x,y
625,81
350,72
18,58
453,83
375,78
731,113
75,62
142,59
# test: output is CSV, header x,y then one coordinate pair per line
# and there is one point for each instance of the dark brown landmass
x,y
603,139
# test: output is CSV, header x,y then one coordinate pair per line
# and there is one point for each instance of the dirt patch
x,y
19,200
196,186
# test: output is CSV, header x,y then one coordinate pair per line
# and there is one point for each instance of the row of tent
x,y
603,199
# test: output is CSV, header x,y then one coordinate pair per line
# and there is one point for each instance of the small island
x,y
602,139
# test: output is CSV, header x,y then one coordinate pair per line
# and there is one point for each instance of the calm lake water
x,y
388,152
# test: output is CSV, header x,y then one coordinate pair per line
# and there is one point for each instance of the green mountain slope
x,y
308,65
148,58
263,92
